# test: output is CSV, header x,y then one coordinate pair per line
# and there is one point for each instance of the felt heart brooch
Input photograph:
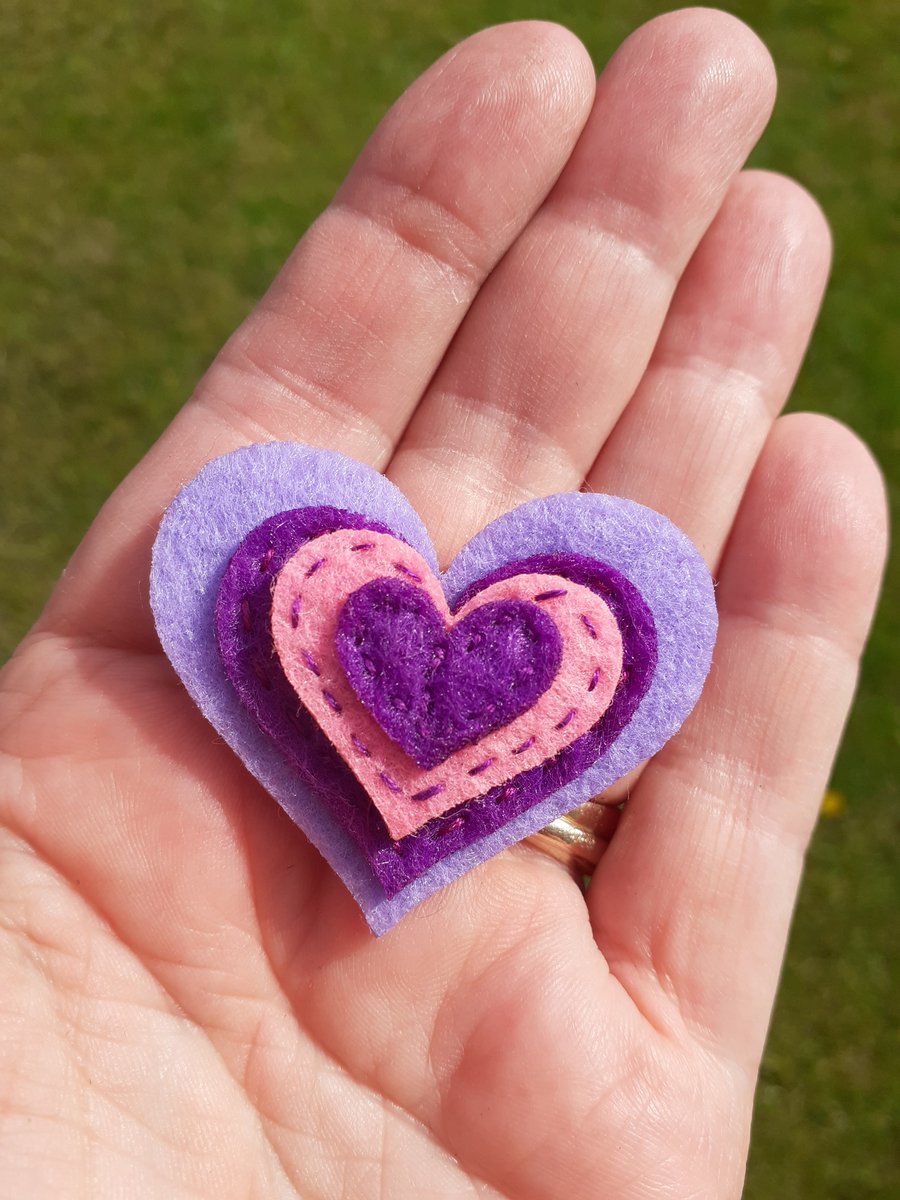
x,y
411,723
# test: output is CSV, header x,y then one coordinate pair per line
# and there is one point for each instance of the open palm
x,y
526,283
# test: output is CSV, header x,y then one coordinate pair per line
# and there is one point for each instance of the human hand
x,y
191,1003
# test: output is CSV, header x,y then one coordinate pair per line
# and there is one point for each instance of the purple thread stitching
x,y
246,620
482,766
428,792
395,863
335,705
436,789
404,570
450,827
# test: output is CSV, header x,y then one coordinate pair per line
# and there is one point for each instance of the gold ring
x,y
579,838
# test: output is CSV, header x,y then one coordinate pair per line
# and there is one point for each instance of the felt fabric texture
x,y
325,575
435,690
668,581
200,530
246,644
243,632
398,864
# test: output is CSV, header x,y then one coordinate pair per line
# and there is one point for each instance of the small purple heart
x,y
432,690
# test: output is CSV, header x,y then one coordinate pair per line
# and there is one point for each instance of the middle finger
x,y
561,333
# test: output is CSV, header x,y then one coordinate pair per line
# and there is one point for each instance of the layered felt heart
x,y
413,724
430,710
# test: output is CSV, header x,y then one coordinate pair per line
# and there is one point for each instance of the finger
x,y
692,901
338,351
725,361
355,324
558,339
723,367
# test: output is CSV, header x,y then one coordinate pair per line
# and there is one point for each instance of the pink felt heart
x,y
309,596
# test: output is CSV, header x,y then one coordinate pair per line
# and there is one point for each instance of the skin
x,y
526,282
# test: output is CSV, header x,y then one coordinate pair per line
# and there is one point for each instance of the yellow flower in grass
x,y
833,804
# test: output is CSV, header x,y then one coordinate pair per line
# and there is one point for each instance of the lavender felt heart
x,y
433,690
664,588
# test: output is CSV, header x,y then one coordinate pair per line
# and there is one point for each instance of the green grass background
x,y
159,160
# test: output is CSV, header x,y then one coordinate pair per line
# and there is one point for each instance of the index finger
x,y
338,351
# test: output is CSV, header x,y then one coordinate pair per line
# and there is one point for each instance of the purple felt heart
x,y
432,690
242,619
655,581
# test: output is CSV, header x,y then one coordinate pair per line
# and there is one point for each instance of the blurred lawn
x,y
159,160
